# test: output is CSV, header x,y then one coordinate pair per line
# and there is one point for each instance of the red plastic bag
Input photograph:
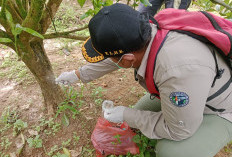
x,y
108,138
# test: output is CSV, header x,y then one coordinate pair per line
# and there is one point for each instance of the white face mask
x,y
121,59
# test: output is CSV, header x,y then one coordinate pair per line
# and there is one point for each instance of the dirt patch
x,y
118,86
27,100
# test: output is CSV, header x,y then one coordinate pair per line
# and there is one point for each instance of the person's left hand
x,y
114,114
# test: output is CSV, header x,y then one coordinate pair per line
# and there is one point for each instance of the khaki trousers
x,y
213,134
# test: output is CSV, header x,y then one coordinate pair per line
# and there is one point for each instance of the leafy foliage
x,y
207,5
99,4
35,142
19,125
146,145
73,101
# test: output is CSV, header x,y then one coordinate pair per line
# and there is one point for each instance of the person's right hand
x,y
114,114
67,78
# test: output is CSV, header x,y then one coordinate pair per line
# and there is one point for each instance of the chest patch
x,y
179,99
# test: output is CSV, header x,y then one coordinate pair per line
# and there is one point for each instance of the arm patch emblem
x,y
179,99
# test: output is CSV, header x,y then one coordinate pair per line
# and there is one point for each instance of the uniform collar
x,y
142,68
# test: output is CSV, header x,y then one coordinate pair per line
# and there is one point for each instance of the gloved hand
x,y
114,114
107,104
67,78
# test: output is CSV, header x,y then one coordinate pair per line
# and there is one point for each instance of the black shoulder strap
x,y
219,72
154,21
218,76
215,109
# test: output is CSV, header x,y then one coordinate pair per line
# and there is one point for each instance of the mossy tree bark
x,y
37,61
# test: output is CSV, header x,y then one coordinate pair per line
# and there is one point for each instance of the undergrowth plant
x,y
118,141
51,127
55,150
97,94
228,148
19,125
76,138
146,146
35,142
9,116
13,69
72,103
98,4
4,155
5,143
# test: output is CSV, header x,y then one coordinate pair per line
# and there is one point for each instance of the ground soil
x,y
25,96
118,86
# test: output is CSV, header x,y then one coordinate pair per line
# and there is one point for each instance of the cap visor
x,y
90,53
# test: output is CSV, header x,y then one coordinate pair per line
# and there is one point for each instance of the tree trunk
x,y
35,58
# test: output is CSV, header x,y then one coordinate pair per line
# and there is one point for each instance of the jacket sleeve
x,y
176,122
93,71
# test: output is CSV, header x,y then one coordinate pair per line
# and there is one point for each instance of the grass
x,y
67,19
13,69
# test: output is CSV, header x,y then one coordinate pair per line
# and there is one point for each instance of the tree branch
x,y
67,32
68,36
25,4
222,4
34,15
3,9
22,11
32,19
75,30
49,13
5,24
13,11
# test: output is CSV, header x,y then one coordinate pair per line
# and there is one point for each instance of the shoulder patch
x,y
179,99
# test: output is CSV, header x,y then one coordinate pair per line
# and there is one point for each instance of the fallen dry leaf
x,y
76,153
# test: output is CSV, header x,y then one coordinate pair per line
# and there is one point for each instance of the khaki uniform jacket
x,y
183,64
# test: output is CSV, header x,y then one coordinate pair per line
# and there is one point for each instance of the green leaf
x,y
16,30
146,3
147,154
87,14
32,32
65,120
38,143
5,40
30,142
136,139
72,102
141,154
10,19
153,142
81,2
63,155
66,152
227,1
108,2
70,108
